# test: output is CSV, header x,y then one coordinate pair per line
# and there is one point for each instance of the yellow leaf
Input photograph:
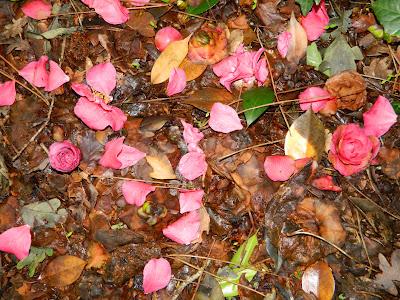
x,y
63,270
98,256
191,69
170,58
161,165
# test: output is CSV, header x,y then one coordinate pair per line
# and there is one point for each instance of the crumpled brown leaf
x,y
390,160
379,67
349,88
141,21
389,273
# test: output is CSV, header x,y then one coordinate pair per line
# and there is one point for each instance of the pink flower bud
x,y
64,156
165,36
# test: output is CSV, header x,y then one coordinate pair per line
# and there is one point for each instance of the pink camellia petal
x,y
135,192
191,135
102,78
192,165
17,241
379,118
35,72
224,118
315,22
279,167
225,70
261,71
190,200
283,43
98,116
325,183
177,82
314,98
156,275
37,9
56,78
110,10
185,229
120,156
7,93
82,90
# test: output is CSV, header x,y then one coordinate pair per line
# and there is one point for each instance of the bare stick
x,y
248,148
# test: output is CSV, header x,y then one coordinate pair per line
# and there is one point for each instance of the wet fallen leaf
x,y
235,39
98,256
161,165
390,160
141,21
318,280
204,99
192,70
306,137
63,270
170,58
390,273
256,97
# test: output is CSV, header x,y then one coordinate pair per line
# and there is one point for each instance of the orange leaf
x,y
63,270
98,256
318,280
205,98
191,69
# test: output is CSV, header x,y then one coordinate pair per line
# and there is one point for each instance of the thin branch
x,y
248,148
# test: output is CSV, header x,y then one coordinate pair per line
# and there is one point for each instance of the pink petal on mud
x,y
191,135
111,11
119,156
279,167
190,200
98,116
379,118
130,156
57,77
325,183
177,82
283,43
102,78
135,192
224,118
315,22
314,97
156,275
192,165
7,93
37,9
185,229
17,241
35,72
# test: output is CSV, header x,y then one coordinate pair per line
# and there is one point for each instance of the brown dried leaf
x,y
15,28
63,270
267,12
98,256
379,67
298,44
161,165
318,280
141,20
191,69
389,273
390,160
235,39
205,98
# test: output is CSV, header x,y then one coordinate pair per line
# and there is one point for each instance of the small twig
x,y
248,148
362,240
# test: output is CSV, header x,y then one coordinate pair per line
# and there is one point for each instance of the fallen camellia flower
x,y
17,241
156,275
192,136
135,192
315,22
36,73
177,82
379,118
242,65
64,156
37,9
192,165
111,11
166,36
190,200
120,156
314,98
325,183
185,230
279,167
7,93
224,118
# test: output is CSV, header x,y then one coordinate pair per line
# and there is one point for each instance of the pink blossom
x,y
135,192
284,42
192,165
325,183
190,200
379,118
156,275
185,230
7,93
177,82
224,118
192,136
120,156
110,10
17,241
64,156
315,22
279,167
242,65
37,9
315,98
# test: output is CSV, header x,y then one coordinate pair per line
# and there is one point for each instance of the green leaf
x,y
51,34
314,58
202,7
396,106
256,97
306,5
43,213
243,254
388,14
35,257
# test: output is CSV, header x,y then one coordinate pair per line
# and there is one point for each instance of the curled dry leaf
x,y
191,69
204,99
161,165
390,273
170,58
318,280
63,270
349,88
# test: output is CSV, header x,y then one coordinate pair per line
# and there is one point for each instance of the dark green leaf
x,y
388,14
256,97
306,5
202,7
314,58
396,106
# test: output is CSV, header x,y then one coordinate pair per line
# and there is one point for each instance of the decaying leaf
x,y
298,43
170,58
204,99
318,280
63,270
379,67
141,21
204,224
43,213
192,70
236,37
390,160
306,137
98,256
15,28
389,273
161,165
